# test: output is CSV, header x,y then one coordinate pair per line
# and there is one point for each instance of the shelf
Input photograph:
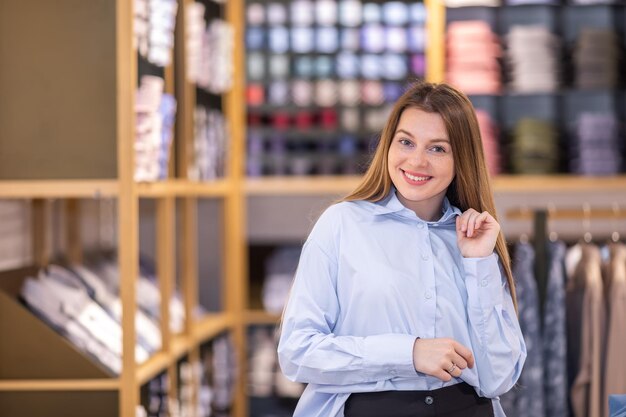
x,y
301,185
152,367
277,186
24,189
210,326
60,385
58,189
184,188
261,317
557,183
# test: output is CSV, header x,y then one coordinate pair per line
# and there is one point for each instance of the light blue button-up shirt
x,y
372,277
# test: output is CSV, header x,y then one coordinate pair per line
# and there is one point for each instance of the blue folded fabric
x,y
617,405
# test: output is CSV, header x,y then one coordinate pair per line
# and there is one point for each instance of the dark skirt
x,y
458,400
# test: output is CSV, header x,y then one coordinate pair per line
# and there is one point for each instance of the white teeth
x,y
411,177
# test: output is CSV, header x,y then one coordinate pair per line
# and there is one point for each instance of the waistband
x,y
459,398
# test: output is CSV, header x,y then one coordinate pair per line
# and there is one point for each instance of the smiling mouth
x,y
416,178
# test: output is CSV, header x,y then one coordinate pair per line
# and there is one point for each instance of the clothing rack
x,y
540,217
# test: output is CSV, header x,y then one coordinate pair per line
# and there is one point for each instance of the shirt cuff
x,y
390,353
483,281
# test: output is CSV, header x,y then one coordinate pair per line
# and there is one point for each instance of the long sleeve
x,y
495,333
309,352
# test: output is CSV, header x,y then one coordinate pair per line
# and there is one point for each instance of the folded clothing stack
x,y
534,148
210,51
533,59
153,25
596,56
596,150
210,142
472,57
82,303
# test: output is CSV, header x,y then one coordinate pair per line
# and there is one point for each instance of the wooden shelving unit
x,y
285,186
261,317
91,157
82,148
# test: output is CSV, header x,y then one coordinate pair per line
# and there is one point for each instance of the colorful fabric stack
x,y
532,58
472,56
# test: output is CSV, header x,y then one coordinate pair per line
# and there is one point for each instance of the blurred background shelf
x,y
60,385
277,186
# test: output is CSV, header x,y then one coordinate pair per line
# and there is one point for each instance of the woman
x,y
403,303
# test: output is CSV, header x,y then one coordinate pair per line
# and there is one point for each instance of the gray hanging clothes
x,y
554,335
526,399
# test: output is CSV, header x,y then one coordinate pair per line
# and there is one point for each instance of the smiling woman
x,y
421,164
403,303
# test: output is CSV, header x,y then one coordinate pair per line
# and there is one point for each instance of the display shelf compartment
x,y
34,351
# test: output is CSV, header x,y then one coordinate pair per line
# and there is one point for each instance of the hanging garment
x,y
615,285
554,337
586,392
526,398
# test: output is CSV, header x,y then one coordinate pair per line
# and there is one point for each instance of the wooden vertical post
x,y
189,263
436,45
235,251
165,264
128,205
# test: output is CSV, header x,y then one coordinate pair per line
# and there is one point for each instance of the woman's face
x,y
420,162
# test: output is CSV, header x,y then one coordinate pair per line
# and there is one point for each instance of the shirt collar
x,y
391,204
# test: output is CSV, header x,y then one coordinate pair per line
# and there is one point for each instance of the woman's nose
x,y
418,158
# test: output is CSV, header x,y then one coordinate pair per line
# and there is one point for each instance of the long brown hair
x,y
471,187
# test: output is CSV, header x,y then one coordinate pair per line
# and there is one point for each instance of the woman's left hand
x,y
476,233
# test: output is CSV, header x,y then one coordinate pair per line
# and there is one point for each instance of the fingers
x,y
455,370
465,353
471,221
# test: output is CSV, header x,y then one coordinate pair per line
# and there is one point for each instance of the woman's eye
x,y
438,149
405,142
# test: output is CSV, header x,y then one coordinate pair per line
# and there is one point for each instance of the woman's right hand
x,y
442,358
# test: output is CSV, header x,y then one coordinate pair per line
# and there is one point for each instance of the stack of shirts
x,y
264,376
596,59
587,2
154,23
216,66
534,148
210,139
532,58
156,398
195,27
279,271
225,371
155,115
470,3
491,146
209,51
597,151
473,52
522,2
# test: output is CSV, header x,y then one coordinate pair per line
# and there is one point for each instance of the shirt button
x,y
484,282
425,257
420,225
428,295
429,400
393,372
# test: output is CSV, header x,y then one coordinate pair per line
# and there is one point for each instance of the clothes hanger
x,y
615,236
552,235
524,236
587,236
